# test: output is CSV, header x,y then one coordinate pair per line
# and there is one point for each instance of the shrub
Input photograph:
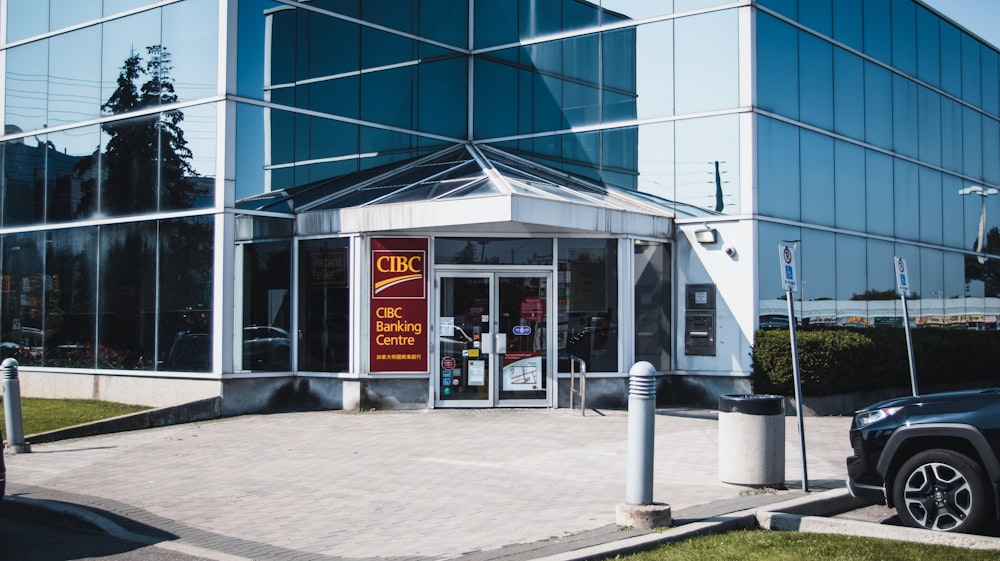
x,y
846,360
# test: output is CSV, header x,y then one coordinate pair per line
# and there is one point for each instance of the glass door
x,y
522,339
492,331
463,324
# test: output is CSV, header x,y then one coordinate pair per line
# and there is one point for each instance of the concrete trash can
x,y
752,440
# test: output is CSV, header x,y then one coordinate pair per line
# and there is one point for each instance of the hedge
x,y
843,360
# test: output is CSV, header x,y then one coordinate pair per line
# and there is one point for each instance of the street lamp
x,y
982,192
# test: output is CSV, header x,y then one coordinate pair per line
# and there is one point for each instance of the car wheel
x,y
942,490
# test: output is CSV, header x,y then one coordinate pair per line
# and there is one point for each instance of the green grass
x,y
42,415
760,545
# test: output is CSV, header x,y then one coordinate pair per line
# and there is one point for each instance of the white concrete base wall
x,y
150,391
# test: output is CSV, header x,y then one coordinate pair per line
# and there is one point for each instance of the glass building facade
x,y
195,191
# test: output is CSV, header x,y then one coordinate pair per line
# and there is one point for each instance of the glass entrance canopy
x,y
465,186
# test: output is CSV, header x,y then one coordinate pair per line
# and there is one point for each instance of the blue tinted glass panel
x,y
123,39
129,161
878,193
127,293
379,49
778,174
991,81
186,256
442,104
877,30
951,59
618,10
445,21
931,225
904,36
26,18
954,276
496,98
953,212
338,96
849,177
816,81
817,167
70,310
929,125
972,134
991,148
496,22
972,87
618,157
928,47
71,179
880,271
951,134
23,193
388,95
769,282
787,8
580,104
196,130
25,104
878,106
687,5
710,80
619,83
74,62
848,24
777,67
190,35
325,35
64,13
848,94
656,160
851,274
907,200
395,14
654,70
250,49
904,109
818,15
118,6
700,143
23,261
324,304
545,94
931,284
250,159
818,272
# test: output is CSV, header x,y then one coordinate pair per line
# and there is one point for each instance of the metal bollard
x,y
12,408
641,421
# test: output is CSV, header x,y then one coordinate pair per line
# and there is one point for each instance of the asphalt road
x,y
24,537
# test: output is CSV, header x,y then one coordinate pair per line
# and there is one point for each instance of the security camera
x,y
730,250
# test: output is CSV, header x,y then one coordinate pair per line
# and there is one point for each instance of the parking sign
x,y
902,282
786,259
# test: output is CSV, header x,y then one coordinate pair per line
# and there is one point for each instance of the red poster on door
x,y
398,303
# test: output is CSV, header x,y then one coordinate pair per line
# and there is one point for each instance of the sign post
x,y
903,287
789,280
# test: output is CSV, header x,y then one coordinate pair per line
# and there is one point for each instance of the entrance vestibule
x,y
494,339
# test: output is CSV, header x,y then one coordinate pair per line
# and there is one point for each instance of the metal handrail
x,y
573,360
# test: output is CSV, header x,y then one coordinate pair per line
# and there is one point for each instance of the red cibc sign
x,y
398,326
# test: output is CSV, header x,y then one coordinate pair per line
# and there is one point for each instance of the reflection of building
x,y
356,207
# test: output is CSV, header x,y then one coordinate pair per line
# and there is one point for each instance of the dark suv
x,y
934,458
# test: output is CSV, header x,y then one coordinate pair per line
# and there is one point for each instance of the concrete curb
x,y
803,514
203,410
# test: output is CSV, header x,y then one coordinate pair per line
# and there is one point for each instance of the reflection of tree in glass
x,y
143,157
986,270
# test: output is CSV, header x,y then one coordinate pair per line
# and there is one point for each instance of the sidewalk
x,y
440,484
